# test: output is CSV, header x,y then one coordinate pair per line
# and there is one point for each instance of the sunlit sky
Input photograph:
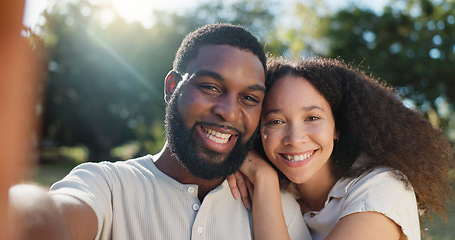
x,y
130,10
140,10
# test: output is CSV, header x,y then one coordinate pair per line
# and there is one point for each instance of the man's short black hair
x,y
218,34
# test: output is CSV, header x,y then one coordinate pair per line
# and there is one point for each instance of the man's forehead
x,y
224,56
211,54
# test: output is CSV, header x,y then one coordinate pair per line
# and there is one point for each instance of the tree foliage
x,y
105,80
410,47
102,82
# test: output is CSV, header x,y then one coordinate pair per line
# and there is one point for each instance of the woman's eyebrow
x,y
312,107
307,108
273,110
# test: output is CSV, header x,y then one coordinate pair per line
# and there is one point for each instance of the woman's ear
x,y
336,135
170,82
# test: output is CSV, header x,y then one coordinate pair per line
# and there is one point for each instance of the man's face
x,y
215,110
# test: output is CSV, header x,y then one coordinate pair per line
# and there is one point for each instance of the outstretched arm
x,y
36,214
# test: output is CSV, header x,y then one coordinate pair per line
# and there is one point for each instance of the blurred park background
x,y
104,62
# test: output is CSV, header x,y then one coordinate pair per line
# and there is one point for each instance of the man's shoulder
x,y
109,169
143,161
287,197
293,217
289,204
108,175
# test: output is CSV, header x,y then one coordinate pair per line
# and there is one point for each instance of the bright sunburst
x,y
130,10
142,10
136,10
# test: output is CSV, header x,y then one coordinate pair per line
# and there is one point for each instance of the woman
x,y
362,165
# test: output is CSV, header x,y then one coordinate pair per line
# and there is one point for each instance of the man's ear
x,y
170,83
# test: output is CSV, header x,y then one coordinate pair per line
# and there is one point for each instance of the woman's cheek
x,y
269,141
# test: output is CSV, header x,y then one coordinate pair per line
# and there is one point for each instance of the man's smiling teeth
x,y
297,158
216,136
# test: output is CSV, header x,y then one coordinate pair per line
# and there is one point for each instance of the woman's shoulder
x,y
386,191
382,177
376,177
379,177
380,182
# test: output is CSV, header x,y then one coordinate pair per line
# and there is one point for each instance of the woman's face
x,y
297,129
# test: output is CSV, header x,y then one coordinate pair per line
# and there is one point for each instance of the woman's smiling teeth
x,y
216,136
297,158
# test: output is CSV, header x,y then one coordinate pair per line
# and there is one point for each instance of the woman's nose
x,y
295,134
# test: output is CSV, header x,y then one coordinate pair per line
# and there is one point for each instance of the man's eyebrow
x,y
217,76
257,87
208,73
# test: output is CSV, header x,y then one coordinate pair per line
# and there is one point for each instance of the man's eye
x,y
209,89
250,100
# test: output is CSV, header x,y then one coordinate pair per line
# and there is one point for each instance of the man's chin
x,y
213,157
210,165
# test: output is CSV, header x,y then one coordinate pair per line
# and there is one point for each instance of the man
x,y
214,95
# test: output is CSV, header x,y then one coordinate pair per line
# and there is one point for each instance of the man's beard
x,y
200,161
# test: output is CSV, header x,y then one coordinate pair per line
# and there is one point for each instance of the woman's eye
x,y
274,122
313,118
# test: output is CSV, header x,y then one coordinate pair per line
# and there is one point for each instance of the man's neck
x,y
171,166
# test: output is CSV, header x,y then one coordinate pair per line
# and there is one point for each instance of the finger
x,y
233,186
250,187
242,183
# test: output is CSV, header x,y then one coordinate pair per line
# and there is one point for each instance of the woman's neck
x,y
314,193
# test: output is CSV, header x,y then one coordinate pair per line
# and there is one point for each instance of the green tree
x,y
102,82
105,81
257,16
411,47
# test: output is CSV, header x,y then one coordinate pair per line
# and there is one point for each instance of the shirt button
x,y
190,189
195,207
312,214
199,229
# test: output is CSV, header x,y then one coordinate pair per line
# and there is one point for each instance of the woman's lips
x,y
297,159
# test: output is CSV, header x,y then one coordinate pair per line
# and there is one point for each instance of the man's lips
x,y
218,138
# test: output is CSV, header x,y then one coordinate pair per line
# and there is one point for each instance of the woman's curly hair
x,y
372,120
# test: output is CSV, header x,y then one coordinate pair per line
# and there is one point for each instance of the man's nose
x,y
228,108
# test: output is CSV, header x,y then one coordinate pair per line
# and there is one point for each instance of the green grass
x,y
46,174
